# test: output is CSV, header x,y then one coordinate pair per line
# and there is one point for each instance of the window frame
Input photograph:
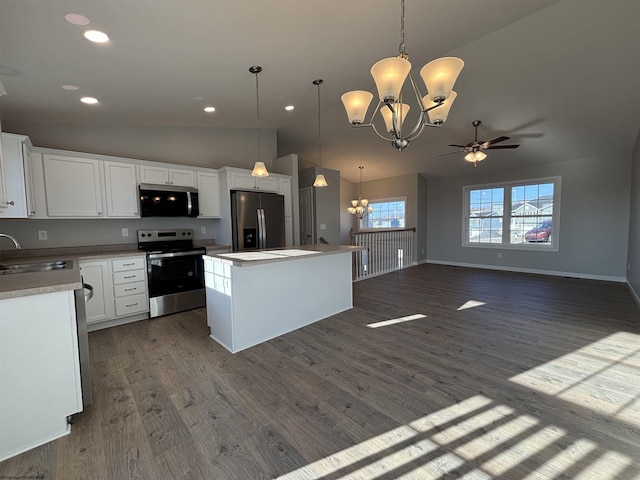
x,y
552,246
363,221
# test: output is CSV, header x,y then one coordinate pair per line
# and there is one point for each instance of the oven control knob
x,y
190,274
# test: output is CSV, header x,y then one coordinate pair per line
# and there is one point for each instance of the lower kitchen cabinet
x,y
119,290
39,370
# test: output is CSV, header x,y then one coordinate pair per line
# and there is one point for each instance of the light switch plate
x,y
125,232
42,235
203,230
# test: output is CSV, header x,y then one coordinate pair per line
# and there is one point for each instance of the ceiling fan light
x,y
389,75
320,181
401,110
440,75
438,115
479,156
356,104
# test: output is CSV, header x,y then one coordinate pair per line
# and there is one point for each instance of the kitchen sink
x,y
35,267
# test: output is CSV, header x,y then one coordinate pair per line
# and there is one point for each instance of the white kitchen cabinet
x,y
16,155
130,286
284,188
209,194
160,175
242,180
121,187
96,273
73,186
39,370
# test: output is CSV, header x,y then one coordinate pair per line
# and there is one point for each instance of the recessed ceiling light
x,y
89,100
288,108
70,88
209,109
76,19
96,36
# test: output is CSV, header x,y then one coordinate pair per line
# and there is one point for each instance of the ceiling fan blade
x,y
460,146
496,147
495,140
450,153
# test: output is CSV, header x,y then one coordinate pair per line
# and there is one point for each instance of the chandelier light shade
x,y
389,75
259,169
401,110
356,103
360,207
320,181
438,114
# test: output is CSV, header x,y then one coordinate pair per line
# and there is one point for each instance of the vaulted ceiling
x,y
561,78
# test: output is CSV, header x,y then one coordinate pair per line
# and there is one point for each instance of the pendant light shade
x,y
259,169
320,181
356,104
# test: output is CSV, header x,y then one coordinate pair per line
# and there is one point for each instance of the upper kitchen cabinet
x,y
16,156
209,194
73,186
239,179
159,175
121,187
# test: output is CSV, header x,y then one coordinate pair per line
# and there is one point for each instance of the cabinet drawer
x,y
132,304
128,277
121,264
129,289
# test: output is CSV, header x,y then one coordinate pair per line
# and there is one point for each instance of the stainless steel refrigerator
x,y
257,220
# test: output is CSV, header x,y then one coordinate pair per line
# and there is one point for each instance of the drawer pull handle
x,y
128,264
129,276
131,305
130,289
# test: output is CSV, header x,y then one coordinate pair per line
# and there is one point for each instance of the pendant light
x,y
259,169
320,181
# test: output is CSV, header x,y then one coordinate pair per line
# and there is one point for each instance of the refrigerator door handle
x,y
263,229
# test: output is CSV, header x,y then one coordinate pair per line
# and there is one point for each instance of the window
x,y
387,213
520,214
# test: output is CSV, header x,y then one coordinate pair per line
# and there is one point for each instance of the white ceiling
x,y
562,78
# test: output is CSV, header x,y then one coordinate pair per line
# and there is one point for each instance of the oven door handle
x,y
153,256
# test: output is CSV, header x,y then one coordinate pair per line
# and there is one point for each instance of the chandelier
x,y
360,207
259,169
390,74
320,181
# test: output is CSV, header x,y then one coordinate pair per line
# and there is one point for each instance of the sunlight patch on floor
x,y
471,304
477,438
602,376
393,321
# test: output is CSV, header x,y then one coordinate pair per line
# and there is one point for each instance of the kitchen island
x,y
258,295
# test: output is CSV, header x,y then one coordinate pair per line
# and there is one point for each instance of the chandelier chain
x,y
318,82
258,113
403,53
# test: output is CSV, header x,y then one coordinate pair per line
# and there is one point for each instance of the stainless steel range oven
x,y
175,270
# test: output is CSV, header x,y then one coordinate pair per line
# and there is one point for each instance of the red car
x,y
542,233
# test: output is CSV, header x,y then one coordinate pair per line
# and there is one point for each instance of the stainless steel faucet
x,y
17,244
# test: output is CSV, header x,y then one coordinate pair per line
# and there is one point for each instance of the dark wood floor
x,y
505,376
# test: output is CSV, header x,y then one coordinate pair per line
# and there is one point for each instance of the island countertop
x,y
258,257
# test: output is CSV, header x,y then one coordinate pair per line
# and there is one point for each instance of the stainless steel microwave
x,y
168,201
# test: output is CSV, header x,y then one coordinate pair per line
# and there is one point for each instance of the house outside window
x,y
387,213
520,215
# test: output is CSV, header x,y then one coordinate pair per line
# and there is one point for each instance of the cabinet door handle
x,y
11,202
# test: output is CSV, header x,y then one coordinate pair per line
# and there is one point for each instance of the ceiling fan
x,y
475,149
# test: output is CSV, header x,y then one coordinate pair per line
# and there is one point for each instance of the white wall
x,y
594,219
633,256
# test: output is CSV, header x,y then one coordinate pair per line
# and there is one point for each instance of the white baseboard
x,y
588,276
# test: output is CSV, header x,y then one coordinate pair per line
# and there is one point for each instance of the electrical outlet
x,y
323,226
42,235
203,230
125,232
499,254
